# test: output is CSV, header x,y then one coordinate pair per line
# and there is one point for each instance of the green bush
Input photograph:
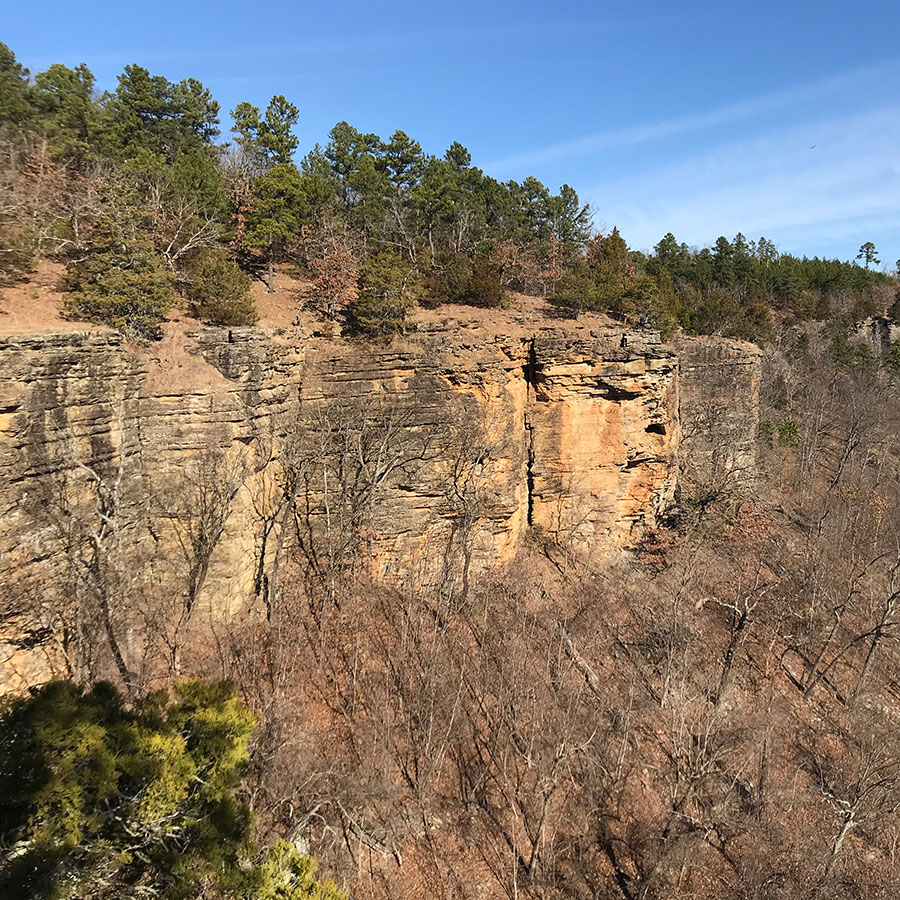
x,y
389,289
484,287
119,281
219,291
853,356
448,282
789,433
576,291
893,359
106,801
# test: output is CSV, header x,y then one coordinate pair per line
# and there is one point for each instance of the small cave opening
x,y
614,393
656,428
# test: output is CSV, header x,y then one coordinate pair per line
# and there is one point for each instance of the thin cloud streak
x,y
770,184
411,42
724,115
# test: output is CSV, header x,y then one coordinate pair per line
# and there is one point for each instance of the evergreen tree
x,y
219,291
279,208
15,94
675,258
278,205
766,251
723,262
268,140
102,801
868,254
611,268
151,118
119,279
362,184
71,117
120,282
576,291
401,158
571,221
388,289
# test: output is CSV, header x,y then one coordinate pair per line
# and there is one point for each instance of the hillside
x,y
466,657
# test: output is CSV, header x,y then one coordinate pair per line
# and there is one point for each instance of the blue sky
x,y
699,118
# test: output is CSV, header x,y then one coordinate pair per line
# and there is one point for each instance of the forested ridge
x,y
149,205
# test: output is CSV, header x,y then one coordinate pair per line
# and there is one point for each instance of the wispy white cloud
x,y
821,89
817,182
345,44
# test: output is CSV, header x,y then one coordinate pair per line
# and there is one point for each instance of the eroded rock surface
x,y
468,442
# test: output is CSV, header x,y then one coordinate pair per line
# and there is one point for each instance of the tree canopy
x,y
380,205
102,800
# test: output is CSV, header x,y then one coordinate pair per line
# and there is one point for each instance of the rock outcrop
x,y
719,408
879,333
447,448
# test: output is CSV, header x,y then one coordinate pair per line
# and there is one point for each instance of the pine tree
x,y
15,94
611,268
268,140
868,254
151,118
278,205
103,801
70,117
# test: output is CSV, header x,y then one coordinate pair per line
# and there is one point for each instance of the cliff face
x,y
603,431
879,333
197,471
719,409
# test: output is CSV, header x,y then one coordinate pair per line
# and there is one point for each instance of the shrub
x,y
119,281
484,287
388,289
893,358
789,433
219,291
853,356
576,291
448,282
99,800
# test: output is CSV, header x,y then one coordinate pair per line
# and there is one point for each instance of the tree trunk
x,y
270,287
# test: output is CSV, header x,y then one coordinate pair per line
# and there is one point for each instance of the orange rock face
x,y
438,452
604,431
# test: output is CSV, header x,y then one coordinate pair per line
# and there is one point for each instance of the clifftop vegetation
x,y
133,191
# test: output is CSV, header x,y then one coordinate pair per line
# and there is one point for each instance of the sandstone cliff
x,y
196,471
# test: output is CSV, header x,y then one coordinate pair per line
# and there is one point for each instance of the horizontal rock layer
x,y
467,443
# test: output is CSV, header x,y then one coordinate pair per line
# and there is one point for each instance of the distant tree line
x,y
732,288
133,190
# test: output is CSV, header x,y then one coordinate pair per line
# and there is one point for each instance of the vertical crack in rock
x,y
87,398
529,470
529,370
